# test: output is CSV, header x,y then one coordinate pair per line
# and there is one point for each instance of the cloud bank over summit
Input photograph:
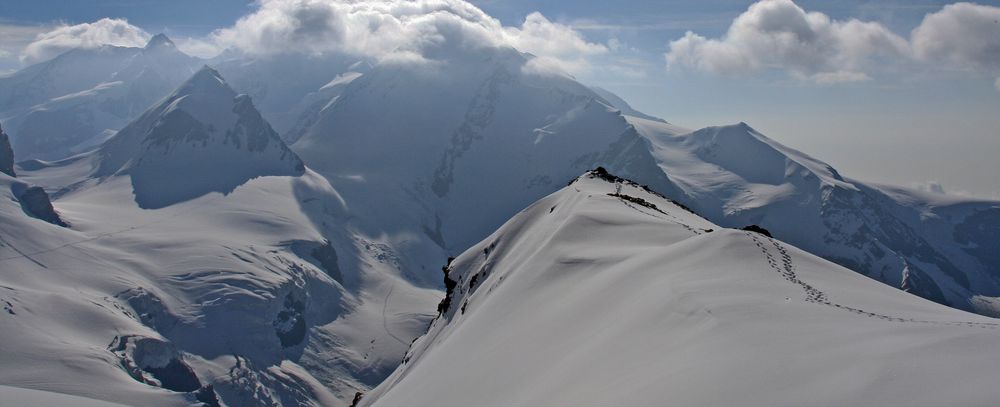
x,y
415,31
810,45
106,31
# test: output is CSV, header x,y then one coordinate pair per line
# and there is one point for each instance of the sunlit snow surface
x,y
587,299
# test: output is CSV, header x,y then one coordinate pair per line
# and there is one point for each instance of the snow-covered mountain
x,y
203,262
449,152
202,128
202,256
940,248
486,118
289,89
605,293
79,99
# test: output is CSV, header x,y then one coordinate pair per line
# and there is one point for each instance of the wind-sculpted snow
x,y
606,294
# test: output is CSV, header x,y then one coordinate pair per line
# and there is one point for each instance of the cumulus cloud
x,y
540,36
398,30
110,31
778,34
961,35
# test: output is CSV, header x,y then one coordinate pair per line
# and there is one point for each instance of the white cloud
x,y
540,36
963,34
398,30
198,47
109,31
778,34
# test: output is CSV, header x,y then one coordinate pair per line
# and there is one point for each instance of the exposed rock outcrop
x,y
6,155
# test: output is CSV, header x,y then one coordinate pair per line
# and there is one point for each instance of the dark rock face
x,y
290,324
176,376
449,286
327,258
143,359
35,202
207,395
757,229
6,155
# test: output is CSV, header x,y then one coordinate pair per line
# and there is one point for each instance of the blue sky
x,y
909,121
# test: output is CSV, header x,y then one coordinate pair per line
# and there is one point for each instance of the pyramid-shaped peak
x,y
160,41
203,138
205,80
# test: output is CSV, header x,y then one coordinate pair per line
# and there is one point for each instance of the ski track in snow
x,y
22,255
385,323
786,268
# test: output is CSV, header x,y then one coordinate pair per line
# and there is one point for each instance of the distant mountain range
x,y
271,231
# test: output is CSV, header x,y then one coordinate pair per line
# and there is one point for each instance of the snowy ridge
x,y
933,247
605,293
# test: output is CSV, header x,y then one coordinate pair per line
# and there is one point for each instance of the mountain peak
x,y
206,82
160,41
203,138
206,77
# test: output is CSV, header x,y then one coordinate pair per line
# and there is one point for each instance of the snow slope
x,y
25,397
591,299
940,248
164,292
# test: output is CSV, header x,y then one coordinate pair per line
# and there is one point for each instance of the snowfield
x,y
591,299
